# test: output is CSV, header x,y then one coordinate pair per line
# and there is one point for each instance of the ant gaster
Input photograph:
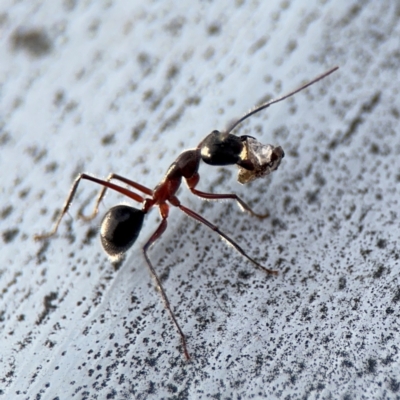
x,y
121,225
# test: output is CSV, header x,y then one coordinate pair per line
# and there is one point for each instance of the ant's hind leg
x,y
160,230
102,193
71,195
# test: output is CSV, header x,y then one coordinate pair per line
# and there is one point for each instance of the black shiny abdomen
x,y
120,228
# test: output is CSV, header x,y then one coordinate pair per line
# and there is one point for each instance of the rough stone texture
x,y
125,86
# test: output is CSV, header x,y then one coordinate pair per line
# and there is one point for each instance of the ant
x,y
121,224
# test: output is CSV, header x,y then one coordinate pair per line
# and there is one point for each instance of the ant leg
x,y
244,206
102,192
160,230
199,218
194,180
126,192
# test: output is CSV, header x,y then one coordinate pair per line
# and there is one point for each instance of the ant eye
x,y
120,228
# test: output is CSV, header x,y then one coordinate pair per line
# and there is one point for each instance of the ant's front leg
x,y
71,195
192,183
102,193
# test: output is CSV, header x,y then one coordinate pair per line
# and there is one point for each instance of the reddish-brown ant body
x,y
122,224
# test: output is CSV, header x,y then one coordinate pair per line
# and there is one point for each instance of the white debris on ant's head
x,y
260,160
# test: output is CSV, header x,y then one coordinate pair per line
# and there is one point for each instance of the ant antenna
x,y
255,110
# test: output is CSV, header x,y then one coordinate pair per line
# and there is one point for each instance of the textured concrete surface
x,y
118,86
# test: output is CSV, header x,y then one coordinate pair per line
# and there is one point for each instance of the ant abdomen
x,y
120,228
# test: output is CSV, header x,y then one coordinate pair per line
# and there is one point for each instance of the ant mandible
x,y
121,225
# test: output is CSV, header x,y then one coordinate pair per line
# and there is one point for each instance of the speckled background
x,y
118,86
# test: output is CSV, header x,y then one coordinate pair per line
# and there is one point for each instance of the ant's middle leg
x,y
102,193
215,228
192,183
71,195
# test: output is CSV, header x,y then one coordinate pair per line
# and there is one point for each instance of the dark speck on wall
x,y
34,41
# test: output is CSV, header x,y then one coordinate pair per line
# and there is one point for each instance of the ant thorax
x,y
263,158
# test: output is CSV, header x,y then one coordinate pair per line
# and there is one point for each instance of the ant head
x,y
120,228
221,148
